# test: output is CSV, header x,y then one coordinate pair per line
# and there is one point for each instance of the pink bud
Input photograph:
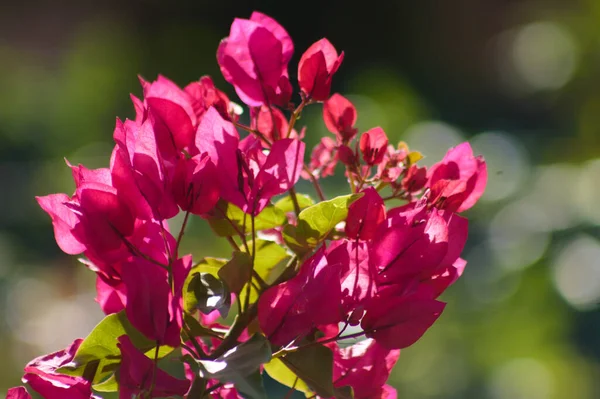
x,y
254,59
340,117
373,145
316,68
458,180
365,215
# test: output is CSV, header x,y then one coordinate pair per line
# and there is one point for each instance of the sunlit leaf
x,y
236,273
230,220
315,222
282,374
287,205
241,366
98,355
313,365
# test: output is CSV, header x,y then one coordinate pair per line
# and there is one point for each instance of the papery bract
x,y
173,117
18,393
312,298
339,115
41,375
415,179
398,321
110,295
357,277
323,158
196,184
373,145
409,243
316,68
151,306
458,181
254,59
64,220
138,374
271,122
206,95
139,172
365,366
365,215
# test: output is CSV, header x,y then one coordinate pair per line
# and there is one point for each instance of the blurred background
x,y
520,79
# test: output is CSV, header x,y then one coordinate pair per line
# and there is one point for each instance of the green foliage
x,y
287,205
241,366
98,355
193,286
314,366
237,271
316,221
231,221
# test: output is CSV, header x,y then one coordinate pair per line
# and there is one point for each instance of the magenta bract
x,y
304,270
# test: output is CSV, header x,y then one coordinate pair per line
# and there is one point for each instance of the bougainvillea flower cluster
x,y
320,294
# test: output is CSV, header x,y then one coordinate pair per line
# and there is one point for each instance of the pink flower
x,y
63,221
271,122
316,68
110,295
415,179
373,145
398,321
196,184
365,366
412,242
139,172
248,177
357,277
41,375
365,215
151,306
458,181
339,115
323,158
173,117
18,393
138,374
254,59
392,165
312,298
205,95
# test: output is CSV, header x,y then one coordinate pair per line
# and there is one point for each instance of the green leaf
x,y
315,222
207,293
206,265
109,385
286,204
268,263
98,355
237,271
240,366
282,374
313,365
228,214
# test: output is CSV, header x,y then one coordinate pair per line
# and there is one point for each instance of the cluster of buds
x,y
321,294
